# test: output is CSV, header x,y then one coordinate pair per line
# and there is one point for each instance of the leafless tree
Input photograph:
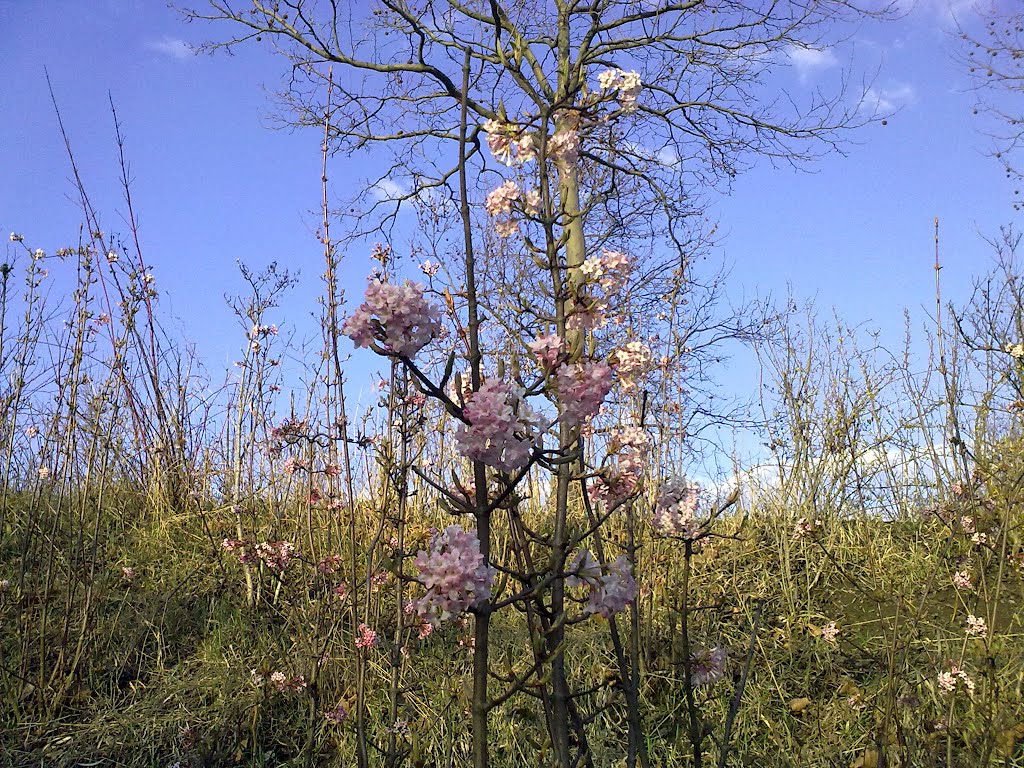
x,y
994,57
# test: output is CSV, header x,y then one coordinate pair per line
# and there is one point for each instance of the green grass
x,y
165,676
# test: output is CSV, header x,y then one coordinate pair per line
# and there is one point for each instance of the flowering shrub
x,y
583,569
399,318
804,527
619,481
294,464
289,430
454,573
337,715
609,272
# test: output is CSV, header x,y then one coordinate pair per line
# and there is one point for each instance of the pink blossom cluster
x,y
294,464
396,316
499,201
454,573
962,580
627,84
499,204
707,665
612,486
240,550
329,564
337,715
366,637
583,569
564,146
611,588
531,202
618,482
506,227
632,440
632,361
609,272
830,632
804,527
285,684
586,313
424,630
289,430
615,591
675,511
262,331
582,387
976,626
950,681
501,430
509,144
549,349
275,554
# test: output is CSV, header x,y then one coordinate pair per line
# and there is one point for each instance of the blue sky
x,y
214,182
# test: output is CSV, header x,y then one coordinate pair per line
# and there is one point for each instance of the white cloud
x,y
809,61
945,12
668,156
171,46
878,101
388,189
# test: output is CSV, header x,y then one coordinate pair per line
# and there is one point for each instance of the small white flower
x,y
976,626
962,580
830,632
